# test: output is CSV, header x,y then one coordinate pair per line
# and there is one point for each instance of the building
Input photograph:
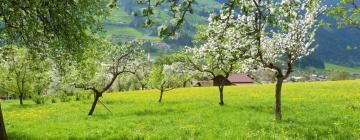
x,y
234,79
239,79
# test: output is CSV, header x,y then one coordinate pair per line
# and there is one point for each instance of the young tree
x,y
24,74
225,49
186,75
99,73
142,73
163,76
17,69
40,78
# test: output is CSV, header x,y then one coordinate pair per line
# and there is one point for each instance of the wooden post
x,y
105,106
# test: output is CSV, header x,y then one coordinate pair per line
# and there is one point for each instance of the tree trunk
x,y
96,98
143,86
3,135
21,97
221,90
279,83
161,95
184,84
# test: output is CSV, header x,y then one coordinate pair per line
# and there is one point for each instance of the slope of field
x,y
324,110
333,67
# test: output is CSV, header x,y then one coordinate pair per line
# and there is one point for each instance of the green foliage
x,y
79,96
178,11
53,100
23,73
64,98
317,110
36,23
38,99
100,72
346,12
164,75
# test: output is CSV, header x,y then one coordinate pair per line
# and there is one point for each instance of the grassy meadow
x,y
333,67
319,110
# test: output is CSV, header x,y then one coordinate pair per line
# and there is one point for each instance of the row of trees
x,y
98,68
264,35
23,73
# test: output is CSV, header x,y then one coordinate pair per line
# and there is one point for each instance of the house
x,y
239,79
233,79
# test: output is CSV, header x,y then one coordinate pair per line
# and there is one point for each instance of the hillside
x,y
335,46
320,110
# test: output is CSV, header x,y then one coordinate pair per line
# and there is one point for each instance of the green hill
x,y
336,46
333,67
319,110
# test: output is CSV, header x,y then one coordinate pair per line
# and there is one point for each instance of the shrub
x,y
64,98
53,100
335,76
79,96
39,99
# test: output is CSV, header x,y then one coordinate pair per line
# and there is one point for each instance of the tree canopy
x,y
41,23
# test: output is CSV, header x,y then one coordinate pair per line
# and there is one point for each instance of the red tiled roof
x,y
240,78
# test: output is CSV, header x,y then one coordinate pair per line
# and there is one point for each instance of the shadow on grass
x,y
112,101
11,107
103,116
268,109
152,112
23,136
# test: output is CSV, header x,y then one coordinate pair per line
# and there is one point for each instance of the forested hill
x,y
336,46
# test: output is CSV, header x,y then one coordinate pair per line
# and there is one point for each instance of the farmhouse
x,y
234,79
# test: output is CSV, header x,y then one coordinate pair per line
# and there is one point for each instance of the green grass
x,y
333,67
320,110
129,31
119,15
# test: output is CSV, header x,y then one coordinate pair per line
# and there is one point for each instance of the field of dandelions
x,y
319,110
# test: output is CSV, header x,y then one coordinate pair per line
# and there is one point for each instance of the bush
x,y
335,76
64,98
53,100
39,99
79,96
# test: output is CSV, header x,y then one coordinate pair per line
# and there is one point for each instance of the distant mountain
x,y
336,46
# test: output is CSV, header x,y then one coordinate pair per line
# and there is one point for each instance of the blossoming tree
x,y
98,74
225,48
164,75
284,33
23,74
279,33
142,72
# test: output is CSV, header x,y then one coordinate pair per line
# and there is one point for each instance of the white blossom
x,y
226,46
